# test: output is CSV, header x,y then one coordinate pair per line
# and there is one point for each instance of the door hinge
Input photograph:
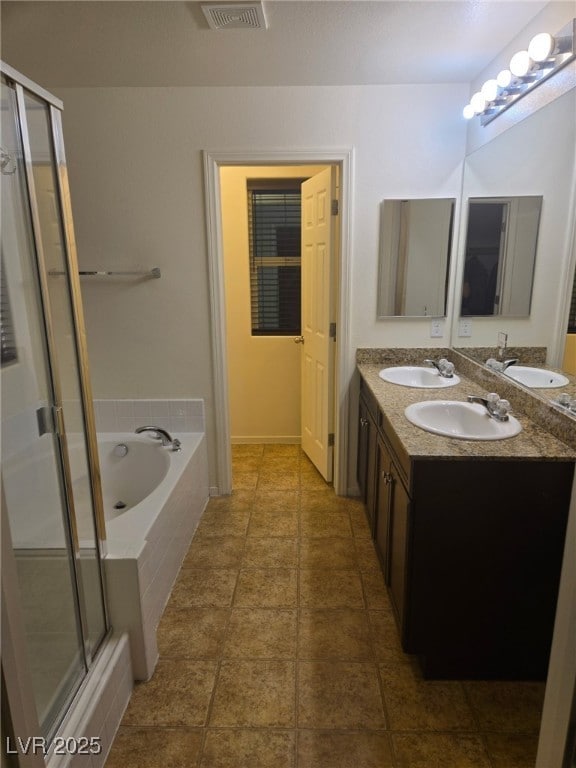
x,y
330,439
335,209
333,331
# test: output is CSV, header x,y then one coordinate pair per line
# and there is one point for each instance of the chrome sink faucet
x,y
443,366
496,407
501,365
161,434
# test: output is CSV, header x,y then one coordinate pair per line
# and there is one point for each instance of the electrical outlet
x,y
502,339
465,328
436,329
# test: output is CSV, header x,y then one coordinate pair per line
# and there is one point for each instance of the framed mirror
x,y
414,258
499,257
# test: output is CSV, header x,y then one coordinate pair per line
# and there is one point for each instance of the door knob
x,y
298,339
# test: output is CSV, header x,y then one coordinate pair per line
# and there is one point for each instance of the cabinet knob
x,y
387,477
363,422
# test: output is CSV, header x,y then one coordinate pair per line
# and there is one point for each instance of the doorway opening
x,y
231,387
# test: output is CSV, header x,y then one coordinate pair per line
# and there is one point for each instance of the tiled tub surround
x,y
183,415
147,543
538,417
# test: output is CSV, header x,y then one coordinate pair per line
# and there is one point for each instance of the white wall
x,y
137,193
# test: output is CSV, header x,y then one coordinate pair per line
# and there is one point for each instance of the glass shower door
x,y
47,462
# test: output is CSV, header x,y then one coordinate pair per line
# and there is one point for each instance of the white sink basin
x,y
536,377
462,420
417,376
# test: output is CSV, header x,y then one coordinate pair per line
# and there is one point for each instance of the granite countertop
x,y
533,443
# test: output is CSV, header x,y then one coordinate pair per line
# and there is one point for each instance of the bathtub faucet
x,y
161,434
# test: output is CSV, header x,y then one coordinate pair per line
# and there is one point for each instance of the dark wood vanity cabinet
x,y
391,530
471,552
366,467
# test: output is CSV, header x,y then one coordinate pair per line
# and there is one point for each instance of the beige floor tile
x,y
235,501
375,590
350,749
282,449
178,694
276,501
224,521
359,523
507,707
366,554
267,588
414,704
255,694
203,588
153,747
245,464
270,552
311,479
323,500
512,750
332,524
266,633
328,552
215,552
237,748
273,462
340,694
245,479
385,638
334,634
439,750
268,523
271,479
323,588
247,449
193,633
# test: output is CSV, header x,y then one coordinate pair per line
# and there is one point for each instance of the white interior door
x,y
318,345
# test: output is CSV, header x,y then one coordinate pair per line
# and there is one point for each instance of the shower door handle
x,y
298,339
50,420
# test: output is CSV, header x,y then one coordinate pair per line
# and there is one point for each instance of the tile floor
x,y
278,649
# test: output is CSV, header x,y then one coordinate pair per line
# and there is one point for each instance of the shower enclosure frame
x,y
15,679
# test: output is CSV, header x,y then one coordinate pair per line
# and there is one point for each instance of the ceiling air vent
x,y
235,15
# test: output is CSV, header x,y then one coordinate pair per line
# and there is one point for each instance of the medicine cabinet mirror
x,y
414,263
500,254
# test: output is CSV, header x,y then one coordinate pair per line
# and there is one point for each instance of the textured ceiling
x,y
326,42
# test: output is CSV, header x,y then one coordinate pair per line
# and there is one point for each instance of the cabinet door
x,y
363,441
383,498
366,469
398,548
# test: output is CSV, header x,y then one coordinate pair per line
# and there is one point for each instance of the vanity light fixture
x,y
545,55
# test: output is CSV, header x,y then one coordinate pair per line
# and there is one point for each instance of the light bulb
x,y
520,64
504,78
468,111
489,90
541,46
478,102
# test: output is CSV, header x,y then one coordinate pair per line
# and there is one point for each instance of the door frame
x,y
213,160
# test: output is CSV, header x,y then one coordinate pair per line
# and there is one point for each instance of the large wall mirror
x,y
522,182
414,259
501,239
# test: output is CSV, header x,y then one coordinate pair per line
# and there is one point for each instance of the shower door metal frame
x,y
55,106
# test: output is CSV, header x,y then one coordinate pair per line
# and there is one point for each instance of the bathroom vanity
x,y
470,534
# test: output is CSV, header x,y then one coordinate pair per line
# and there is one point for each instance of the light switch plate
x,y
465,328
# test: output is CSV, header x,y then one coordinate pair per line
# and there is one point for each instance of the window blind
x,y
274,228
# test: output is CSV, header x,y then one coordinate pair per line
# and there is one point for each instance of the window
x,y
274,229
7,341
